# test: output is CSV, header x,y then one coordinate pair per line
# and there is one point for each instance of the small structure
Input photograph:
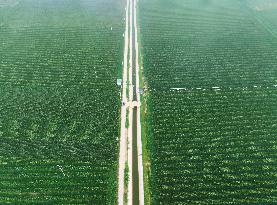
x,y
119,82
140,91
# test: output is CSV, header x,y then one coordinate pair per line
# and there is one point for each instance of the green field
x,y
59,104
211,72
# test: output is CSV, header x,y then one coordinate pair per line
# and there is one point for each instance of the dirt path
x,y
130,128
123,133
130,139
139,142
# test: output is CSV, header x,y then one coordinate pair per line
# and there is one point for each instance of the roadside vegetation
x,y
126,180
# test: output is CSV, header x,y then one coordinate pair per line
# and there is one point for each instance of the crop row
x,y
202,156
59,101
182,47
210,68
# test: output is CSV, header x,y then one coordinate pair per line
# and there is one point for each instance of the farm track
x,y
123,132
134,146
139,140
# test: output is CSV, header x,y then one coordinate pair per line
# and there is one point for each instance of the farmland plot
x,y
59,110
265,13
211,73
